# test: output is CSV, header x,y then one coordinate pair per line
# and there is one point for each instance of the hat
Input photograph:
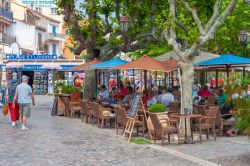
x,y
14,74
24,77
112,76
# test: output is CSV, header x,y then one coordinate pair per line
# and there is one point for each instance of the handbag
x,y
5,109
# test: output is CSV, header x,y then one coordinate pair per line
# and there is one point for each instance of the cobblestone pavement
x,y
59,141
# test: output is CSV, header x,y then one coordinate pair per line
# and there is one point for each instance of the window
x,y
53,10
54,49
7,5
39,40
53,29
2,29
39,9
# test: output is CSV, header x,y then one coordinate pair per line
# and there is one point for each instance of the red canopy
x,y
171,63
145,63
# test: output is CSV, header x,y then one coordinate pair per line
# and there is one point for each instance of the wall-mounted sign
x,y
30,68
33,56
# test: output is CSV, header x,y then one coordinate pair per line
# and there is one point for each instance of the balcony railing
x,y
56,36
42,49
6,14
7,39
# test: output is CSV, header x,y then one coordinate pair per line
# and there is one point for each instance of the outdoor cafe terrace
x,y
155,112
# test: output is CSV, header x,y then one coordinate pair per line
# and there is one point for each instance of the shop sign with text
x,y
33,56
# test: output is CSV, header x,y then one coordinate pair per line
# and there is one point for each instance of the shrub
x,y
157,108
67,89
242,115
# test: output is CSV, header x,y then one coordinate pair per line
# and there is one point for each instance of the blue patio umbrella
x,y
226,59
109,64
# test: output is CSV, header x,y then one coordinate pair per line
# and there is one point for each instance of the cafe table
x,y
185,116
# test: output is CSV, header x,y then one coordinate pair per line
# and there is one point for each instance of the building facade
x,y
6,18
49,9
35,33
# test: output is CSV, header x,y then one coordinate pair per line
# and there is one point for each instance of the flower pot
x,y
59,88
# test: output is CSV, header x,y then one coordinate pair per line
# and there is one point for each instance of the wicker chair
x,y
206,123
120,118
211,100
103,115
163,127
173,107
85,110
93,114
201,109
71,109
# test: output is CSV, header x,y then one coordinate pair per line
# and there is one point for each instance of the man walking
x,y
24,96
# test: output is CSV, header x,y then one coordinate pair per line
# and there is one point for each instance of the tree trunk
x,y
90,84
187,79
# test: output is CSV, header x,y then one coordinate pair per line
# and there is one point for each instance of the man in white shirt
x,y
104,94
152,99
166,98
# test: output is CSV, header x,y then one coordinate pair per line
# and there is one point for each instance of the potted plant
x,y
160,111
157,108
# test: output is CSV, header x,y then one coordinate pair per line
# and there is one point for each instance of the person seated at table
x,y
166,98
123,90
127,100
127,85
103,96
113,96
223,106
151,99
112,81
204,92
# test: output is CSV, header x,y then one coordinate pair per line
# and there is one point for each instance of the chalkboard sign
x,y
135,104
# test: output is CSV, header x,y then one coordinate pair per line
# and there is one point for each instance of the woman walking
x,y
11,89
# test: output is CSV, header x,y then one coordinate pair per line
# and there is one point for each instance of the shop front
x,y
41,78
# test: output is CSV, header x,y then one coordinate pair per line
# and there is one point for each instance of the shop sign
x,y
33,56
32,67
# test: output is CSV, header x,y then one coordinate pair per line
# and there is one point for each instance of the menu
x,y
40,83
135,105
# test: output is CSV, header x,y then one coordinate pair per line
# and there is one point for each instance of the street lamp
x,y
124,28
243,39
124,23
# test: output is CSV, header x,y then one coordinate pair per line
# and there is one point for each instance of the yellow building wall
x,y
67,53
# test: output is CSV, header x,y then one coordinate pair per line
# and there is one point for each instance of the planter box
x,y
75,96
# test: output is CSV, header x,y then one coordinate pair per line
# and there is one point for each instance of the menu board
x,y
40,83
135,105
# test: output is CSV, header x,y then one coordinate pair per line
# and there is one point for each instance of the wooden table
x,y
185,116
